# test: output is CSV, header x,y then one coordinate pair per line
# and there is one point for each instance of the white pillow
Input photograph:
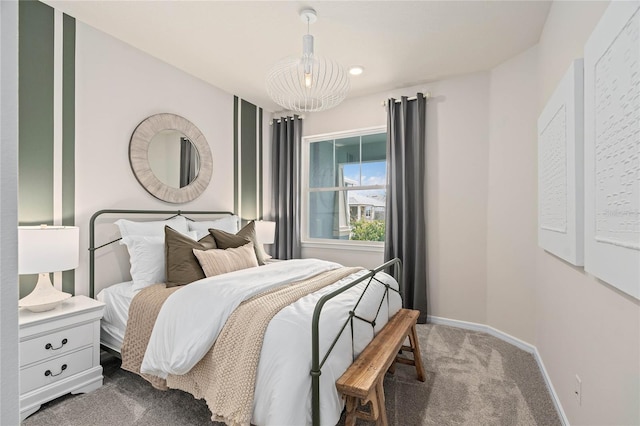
x,y
147,258
230,224
151,229
146,255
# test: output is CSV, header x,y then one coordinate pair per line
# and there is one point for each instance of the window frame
x,y
306,240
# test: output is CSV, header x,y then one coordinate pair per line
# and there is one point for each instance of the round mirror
x,y
173,159
170,158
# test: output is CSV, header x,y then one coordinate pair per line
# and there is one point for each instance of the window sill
x,y
345,245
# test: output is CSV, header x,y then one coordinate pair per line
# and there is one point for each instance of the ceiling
x,y
232,44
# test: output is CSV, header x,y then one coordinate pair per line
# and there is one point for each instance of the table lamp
x,y
265,231
41,250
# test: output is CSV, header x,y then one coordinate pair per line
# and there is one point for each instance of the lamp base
x,y
44,296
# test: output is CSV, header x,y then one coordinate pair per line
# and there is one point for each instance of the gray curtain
x,y
406,236
286,139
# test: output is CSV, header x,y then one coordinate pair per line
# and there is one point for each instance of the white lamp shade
x,y
265,231
47,248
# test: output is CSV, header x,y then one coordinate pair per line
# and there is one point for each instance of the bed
x,y
307,344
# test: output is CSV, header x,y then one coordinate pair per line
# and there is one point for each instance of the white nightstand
x,y
59,352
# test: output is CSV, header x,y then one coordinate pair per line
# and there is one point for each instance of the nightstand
x,y
59,352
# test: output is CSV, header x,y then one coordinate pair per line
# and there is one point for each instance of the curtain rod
x,y
427,96
284,118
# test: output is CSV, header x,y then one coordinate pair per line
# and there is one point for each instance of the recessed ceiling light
x,y
356,70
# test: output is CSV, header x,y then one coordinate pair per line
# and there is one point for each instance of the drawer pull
x,y
50,346
49,373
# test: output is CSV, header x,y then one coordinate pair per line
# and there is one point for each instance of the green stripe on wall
x,y
35,166
35,91
68,134
260,207
248,158
236,165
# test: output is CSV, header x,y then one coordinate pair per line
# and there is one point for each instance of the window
x,y
344,186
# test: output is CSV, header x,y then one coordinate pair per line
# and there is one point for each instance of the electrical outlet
x,y
578,390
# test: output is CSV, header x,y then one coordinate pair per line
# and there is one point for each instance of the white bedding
x,y
117,299
283,384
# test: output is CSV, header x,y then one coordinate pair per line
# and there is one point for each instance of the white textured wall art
x,y
612,148
553,173
560,171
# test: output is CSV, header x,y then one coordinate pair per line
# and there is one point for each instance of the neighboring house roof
x,y
350,182
361,200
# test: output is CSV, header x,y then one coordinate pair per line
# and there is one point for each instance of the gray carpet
x,y
472,379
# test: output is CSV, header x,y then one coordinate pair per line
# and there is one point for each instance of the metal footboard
x,y
316,363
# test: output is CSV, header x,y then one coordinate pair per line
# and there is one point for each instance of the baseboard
x,y
527,347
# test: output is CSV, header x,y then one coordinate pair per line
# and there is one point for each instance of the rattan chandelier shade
x,y
307,83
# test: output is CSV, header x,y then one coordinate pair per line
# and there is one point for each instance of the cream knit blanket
x,y
143,311
226,375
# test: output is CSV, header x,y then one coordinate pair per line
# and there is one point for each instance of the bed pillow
x,y
182,266
229,224
146,255
225,240
216,262
151,229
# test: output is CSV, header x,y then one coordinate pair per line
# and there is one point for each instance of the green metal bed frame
x,y
316,363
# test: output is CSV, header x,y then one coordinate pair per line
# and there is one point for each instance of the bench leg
x,y
382,409
352,404
415,345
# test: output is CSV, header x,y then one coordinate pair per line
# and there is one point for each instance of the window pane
x,y
374,173
374,147
321,173
329,215
366,214
347,161
347,215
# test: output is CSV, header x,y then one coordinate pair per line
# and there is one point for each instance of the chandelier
x,y
309,82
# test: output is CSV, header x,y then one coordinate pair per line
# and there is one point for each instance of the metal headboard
x,y
92,236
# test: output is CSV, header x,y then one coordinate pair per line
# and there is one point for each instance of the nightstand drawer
x,y
56,369
55,344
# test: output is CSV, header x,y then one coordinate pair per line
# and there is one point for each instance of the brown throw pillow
x,y
181,264
225,240
216,261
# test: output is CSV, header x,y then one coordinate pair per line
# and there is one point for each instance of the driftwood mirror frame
x,y
139,158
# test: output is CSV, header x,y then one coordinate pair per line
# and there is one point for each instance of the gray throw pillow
x,y
225,240
182,265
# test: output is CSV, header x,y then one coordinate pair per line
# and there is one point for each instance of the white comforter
x,y
190,320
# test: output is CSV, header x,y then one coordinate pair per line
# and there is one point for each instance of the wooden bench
x,y
361,384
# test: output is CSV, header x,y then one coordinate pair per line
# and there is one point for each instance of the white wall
x,y
457,177
512,204
118,86
579,324
584,326
9,405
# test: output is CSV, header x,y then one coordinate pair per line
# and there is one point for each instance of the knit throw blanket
x,y
226,375
143,311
